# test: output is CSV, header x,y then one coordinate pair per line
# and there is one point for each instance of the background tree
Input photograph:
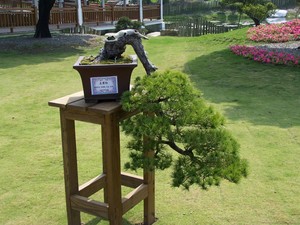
x,y
257,10
42,26
176,119
126,23
298,10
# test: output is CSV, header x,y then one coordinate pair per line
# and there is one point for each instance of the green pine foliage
x,y
176,118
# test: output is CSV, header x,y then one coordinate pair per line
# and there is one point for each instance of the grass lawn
x,y
261,104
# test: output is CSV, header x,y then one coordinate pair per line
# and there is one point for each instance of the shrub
x,y
126,23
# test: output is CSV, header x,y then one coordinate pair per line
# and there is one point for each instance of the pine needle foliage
x,y
176,118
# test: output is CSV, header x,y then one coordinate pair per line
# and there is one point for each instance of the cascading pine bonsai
x,y
175,118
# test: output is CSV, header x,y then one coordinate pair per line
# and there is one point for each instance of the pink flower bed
x,y
273,33
289,31
262,55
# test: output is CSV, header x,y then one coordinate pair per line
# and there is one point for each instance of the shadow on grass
x,y
97,220
18,49
249,91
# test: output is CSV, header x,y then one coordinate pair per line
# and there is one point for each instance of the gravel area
x,y
292,47
26,42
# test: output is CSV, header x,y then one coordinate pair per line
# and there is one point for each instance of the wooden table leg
x,y
111,153
70,166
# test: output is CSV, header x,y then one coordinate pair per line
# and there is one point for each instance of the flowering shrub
x,y
262,55
289,31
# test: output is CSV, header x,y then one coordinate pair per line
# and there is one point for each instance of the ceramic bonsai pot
x,y
103,82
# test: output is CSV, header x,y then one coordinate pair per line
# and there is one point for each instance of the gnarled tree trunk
x,y
115,46
42,26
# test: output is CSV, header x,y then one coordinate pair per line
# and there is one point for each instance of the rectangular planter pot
x,y
102,82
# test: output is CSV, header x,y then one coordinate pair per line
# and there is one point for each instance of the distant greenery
x,y
226,16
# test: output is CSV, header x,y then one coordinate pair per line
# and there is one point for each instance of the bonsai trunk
x,y
115,46
42,26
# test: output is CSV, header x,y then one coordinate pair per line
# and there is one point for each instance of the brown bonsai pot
x,y
105,81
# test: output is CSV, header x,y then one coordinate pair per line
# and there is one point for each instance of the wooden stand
x,y
108,115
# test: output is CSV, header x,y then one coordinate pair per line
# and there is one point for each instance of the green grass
x,y
261,104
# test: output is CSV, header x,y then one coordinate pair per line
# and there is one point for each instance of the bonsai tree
x,y
175,118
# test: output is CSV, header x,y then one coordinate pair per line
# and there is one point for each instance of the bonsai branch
x,y
115,46
176,148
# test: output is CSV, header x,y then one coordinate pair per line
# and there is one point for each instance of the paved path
x,y
31,29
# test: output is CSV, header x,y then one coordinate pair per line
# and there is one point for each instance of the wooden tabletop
x,y
76,101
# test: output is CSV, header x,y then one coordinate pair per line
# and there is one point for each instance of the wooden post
x,y
112,14
11,22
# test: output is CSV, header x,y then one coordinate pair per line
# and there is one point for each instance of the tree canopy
x,y
257,10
